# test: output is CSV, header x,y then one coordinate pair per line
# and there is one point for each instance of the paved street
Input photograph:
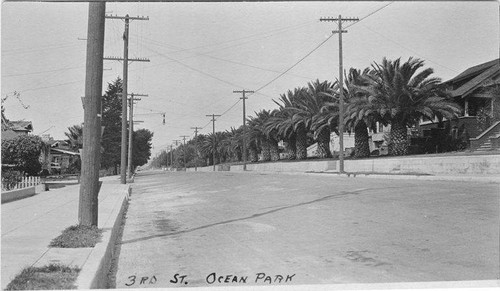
x,y
305,229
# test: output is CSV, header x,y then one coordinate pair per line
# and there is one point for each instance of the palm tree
x,y
259,135
358,115
281,123
401,96
317,113
208,147
234,143
75,136
289,126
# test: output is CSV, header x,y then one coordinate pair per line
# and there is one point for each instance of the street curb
x,y
483,179
13,195
94,273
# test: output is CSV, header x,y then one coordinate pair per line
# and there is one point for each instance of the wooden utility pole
x,y
244,127
184,150
196,146
125,59
341,87
89,187
171,156
131,132
213,131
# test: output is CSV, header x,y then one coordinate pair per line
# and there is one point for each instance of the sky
x,y
200,52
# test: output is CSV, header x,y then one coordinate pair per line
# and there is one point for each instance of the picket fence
x,y
26,182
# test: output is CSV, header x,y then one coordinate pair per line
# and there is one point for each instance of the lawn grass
x,y
77,236
53,276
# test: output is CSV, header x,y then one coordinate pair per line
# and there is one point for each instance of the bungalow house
x,y
61,155
473,90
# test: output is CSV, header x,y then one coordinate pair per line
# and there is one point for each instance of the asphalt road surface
x,y
239,229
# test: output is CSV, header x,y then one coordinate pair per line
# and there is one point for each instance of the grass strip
x,y
77,236
53,276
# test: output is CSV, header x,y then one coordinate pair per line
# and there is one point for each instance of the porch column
x,y
492,104
466,108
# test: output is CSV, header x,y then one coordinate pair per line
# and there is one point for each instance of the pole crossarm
x,y
337,19
128,59
243,92
127,17
213,116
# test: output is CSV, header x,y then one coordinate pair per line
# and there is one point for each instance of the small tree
x,y
141,147
23,152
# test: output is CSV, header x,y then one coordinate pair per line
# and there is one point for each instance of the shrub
x,y
23,152
10,178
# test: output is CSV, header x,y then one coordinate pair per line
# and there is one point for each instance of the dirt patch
x,y
166,225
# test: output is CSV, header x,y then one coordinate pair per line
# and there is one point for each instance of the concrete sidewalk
x,y
28,226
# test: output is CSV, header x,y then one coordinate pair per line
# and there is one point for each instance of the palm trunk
x,y
252,152
398,145
266,150
324,144
301,143
274,150
362,148
290,147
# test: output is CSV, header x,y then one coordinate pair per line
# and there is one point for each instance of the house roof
x,y
56,142
472,84
66,152
20,125
474,70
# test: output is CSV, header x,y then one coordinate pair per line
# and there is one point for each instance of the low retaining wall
x,y
94,274
447,165
305,166
8,196
452,165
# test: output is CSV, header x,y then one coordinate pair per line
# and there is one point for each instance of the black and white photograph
x,y
258,145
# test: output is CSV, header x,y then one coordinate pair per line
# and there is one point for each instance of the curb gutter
x,y
94,273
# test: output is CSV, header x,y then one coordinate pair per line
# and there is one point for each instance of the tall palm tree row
x,y
392,93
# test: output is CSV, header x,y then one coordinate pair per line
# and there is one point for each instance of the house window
x,y
454,132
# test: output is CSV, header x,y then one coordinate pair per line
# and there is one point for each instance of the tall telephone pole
x,y
184,150
171,156
125,59
89,187
341,86
131,131
196,146
244,127
213,131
